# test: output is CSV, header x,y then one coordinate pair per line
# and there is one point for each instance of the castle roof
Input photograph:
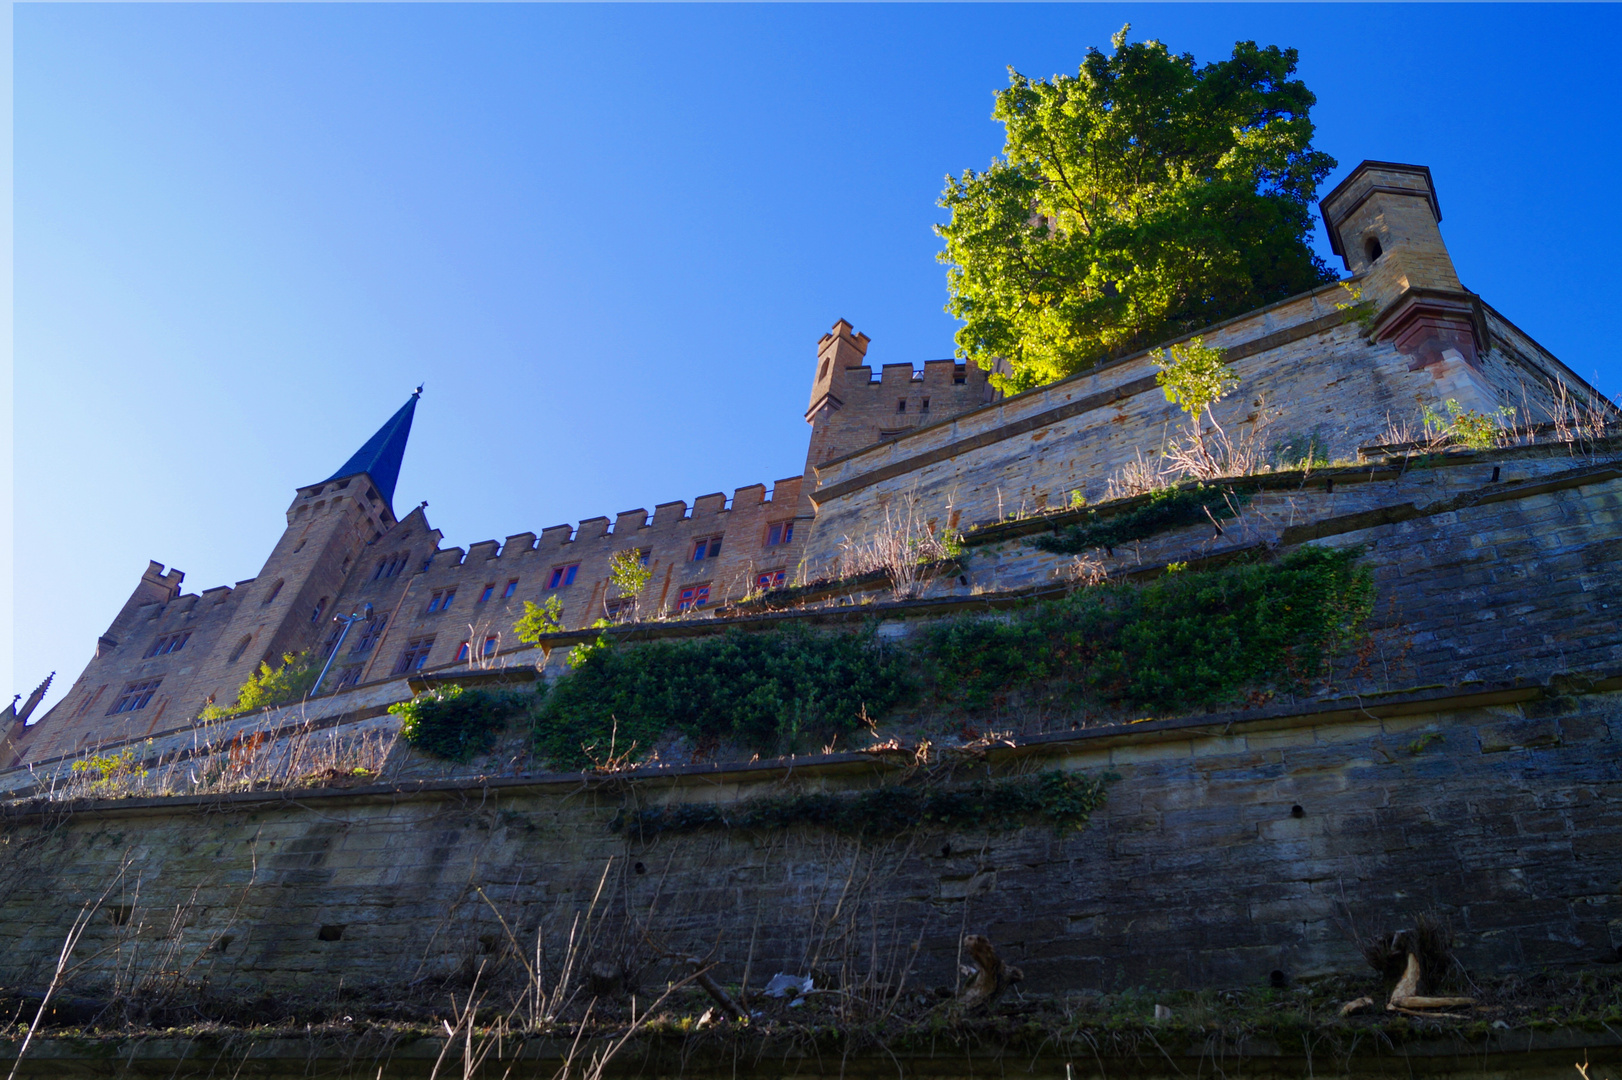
x,y
380,457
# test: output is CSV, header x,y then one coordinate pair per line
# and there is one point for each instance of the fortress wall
x,y
1225,851
1305,361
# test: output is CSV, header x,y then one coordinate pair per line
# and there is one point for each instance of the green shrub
x,y
1189,639
773,692
1065,800
457,723
269,687
1168,508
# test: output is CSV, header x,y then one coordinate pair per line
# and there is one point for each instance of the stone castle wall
x,y
1229,848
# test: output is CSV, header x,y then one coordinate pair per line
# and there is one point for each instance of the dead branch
x,y
991,975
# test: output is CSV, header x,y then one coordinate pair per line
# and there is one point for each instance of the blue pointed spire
x,y
380,457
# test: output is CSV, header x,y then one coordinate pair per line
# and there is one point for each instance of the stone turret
x,y
1384,222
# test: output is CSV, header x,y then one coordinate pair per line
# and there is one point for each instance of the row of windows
x,y
169,643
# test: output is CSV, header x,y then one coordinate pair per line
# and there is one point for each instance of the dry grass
x,y
901,547
249,761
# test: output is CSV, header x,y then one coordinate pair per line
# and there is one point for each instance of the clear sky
x,y
607,238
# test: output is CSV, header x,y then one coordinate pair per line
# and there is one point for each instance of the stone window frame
x,y
136,696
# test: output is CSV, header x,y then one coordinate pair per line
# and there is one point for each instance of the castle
x,y
1461,760
940,439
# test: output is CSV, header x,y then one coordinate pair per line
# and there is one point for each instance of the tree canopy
x,y
1143,198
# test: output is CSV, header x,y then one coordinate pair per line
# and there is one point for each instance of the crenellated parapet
x,y
852,407
464,603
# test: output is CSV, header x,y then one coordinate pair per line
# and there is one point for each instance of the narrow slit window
x,y
512,587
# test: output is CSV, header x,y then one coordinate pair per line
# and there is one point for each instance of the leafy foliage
x,y
773,692
1145,197
1167,508
539,619
628,573
1476,430
1064,800
269,687
458,723
1189,639
1193,376
108,773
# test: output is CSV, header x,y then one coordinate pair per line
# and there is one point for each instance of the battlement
x,y
637,524
160,584
852,406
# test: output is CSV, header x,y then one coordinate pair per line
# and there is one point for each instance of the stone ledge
x,y
1359,709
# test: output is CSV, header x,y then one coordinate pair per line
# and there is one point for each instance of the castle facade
x,y
1335,367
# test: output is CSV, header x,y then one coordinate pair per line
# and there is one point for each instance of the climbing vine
x,y
1065,801
1189,639
773,692
458,723
1166,509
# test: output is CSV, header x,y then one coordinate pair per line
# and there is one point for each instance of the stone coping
x,y
1415,701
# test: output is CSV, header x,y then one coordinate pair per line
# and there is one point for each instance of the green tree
x,y
1143,198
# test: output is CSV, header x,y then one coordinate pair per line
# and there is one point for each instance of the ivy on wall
x,y
1166,509
1064,800
1185,640
772,692
459,723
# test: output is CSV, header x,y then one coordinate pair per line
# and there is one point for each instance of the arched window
x,y
274,589
242,647
1372,248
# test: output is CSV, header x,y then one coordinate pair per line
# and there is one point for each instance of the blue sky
x,y
608,238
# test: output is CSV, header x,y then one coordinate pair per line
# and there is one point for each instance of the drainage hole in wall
x,y
119,914
331,933
639,868
1278,980
1296,811
224,942
946,851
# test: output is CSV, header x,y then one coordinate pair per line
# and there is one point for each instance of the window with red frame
x,y
771,579
441,600
489,591
779,532
562,576
490,645
512,587
707,548
694,597
415,655
461,652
